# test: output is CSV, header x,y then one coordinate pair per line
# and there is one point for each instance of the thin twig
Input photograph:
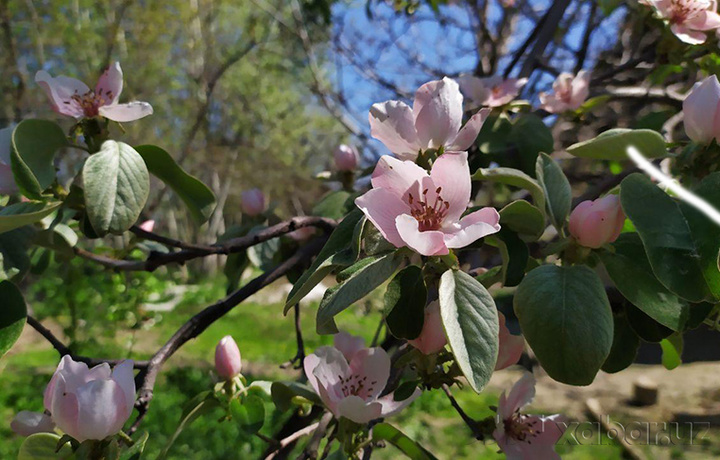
x,y
469,421
297,361
292,438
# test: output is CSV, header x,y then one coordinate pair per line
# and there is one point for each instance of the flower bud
x,y
346,158
27,423
432,338
148,226
228,363
90,403
594,223
7,180
253,202
701,111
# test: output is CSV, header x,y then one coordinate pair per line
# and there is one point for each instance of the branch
x,y
603,186
64,350
191,252
469,421
299,357
292,438
201,321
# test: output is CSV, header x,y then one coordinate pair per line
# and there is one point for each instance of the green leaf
x,y
531,136
197,196
330,257
386,432
35,143
284,394
21,214
43,446
514,253
12,315
631,273
333,205
565,316
556,187
117,184
524,219
135,451
405,301
201,404
625,345
705,232
644,326
14,259
613,144
672,348
470,319
666,236
357,286
250,415
59,238
516,178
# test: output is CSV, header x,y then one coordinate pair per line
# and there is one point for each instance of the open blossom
x,y
351,388
594,223
253,202
73,98
434,121
489,91
688,19
7,180
569,92
432,337
27,423
228,362
90,403
522,436
423,211
346,158
701,111
510,347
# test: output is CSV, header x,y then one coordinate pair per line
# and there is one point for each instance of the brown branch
x,y
297,361
547,31
231,246
311,449
603,186
63,349
469,421
283,443
201,321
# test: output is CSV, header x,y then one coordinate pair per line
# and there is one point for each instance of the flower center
x,y
429,215
496,90
355,385
684,9
91,102
520,428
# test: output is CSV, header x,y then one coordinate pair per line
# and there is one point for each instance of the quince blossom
x,y
489,91
569,92
688,18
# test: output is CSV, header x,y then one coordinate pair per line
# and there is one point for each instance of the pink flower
x,y
688,18
228,362
27,423
510,347
148,226
348,344
433,122
569,92
432,337
7,180
521,436
351,389
90,403
423,212
346,158
595,223
73,98
490,91
253,202
701,111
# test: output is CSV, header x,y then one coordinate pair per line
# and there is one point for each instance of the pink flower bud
x,y
594,223
148,226
7,180
253,202
432,338
510,347
27,423
346,158
701,111
90,403
228,363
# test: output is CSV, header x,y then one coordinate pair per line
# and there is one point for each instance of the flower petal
x,y
348,344
428,243
522,392
392,407
64,408
467,135
372,368
700,110
451,173
130,111
397,176
382,208
27,423
60,90
122,374
331,366
691,37
356,409
438,112
392,123
110,84
472,227
101,409
510,346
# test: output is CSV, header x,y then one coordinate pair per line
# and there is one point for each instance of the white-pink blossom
x,y
434,121
73,98
688,19
351,388
228,362
569,92
701,111
522,436
489,91
432,338
598,222
425,211
346,157
510,347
